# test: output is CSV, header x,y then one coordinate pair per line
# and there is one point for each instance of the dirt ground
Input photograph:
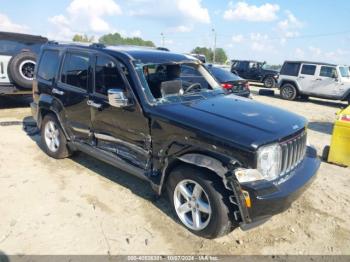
x,y
83,206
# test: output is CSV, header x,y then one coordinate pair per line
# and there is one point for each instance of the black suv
x,y
255,71
18,54
223,160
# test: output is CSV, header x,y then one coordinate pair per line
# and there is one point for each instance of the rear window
x,y
290,69
308,69
48,65
75,70
223,75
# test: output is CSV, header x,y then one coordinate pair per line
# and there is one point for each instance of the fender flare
x,y
46,103
200,160
293,82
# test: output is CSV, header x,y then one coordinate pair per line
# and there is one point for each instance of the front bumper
x,y
270,198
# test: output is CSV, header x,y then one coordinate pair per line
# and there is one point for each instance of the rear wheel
x,y
288,92
200,201
269,82
53,139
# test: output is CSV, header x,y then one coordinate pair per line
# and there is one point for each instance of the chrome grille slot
x,y
293,151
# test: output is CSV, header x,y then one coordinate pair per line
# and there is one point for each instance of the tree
x,y
220,54
83,38
117,39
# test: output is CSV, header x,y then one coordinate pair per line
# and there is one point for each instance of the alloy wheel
x,y
287,92
52,136
192,204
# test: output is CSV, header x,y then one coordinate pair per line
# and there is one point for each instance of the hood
x,y
235,119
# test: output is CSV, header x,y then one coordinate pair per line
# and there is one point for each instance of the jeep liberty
x,y
224,161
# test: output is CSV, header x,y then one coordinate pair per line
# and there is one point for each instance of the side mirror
x,y
117,98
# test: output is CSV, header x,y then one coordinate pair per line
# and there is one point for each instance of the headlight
x,y
269,161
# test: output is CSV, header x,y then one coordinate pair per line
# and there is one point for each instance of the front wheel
x,y
200,201
288,92
269,82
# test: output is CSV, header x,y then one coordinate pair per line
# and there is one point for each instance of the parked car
x,y
18,54
304,79
230,81
223,161
255,71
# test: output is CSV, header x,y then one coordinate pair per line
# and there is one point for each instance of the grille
x,y
293,152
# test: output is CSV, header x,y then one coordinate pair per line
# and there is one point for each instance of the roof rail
x,y
97,45
52,42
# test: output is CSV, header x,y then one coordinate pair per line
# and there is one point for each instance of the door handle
x,y
302,77
93,104
58,92
318,79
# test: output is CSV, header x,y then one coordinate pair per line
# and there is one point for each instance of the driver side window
x,y
253,65
107,75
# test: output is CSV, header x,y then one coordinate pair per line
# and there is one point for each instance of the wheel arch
x,y
48,105
215,165
292,82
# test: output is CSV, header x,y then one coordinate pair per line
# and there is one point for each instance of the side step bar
x,y
110,159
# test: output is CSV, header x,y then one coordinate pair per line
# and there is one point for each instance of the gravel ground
x,y
83,206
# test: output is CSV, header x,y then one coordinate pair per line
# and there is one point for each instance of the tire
x,y
51,131
221,220
325,153
269,82
288,92
21,69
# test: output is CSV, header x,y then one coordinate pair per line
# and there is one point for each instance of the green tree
x,y
220,54
117,39
83,38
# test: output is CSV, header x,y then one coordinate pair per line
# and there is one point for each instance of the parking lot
x,y
83,206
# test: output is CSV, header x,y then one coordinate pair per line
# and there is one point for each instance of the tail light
x,y
345,118
226,86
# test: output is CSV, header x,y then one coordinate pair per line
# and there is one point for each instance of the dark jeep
x,y
223,160
18,54
255,71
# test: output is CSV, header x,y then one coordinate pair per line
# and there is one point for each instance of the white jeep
x,y
303,79
18,54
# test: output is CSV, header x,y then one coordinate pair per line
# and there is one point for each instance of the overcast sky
x,y
254,29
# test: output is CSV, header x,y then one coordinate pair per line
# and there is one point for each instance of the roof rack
x,y
98,45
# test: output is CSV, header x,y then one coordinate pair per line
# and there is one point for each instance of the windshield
x,y
344,71
176,82
223,75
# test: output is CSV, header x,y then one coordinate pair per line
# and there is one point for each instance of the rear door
x,y
122,132
73,90
327,81
307,78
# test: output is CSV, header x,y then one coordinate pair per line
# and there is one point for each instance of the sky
x,y
271,31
